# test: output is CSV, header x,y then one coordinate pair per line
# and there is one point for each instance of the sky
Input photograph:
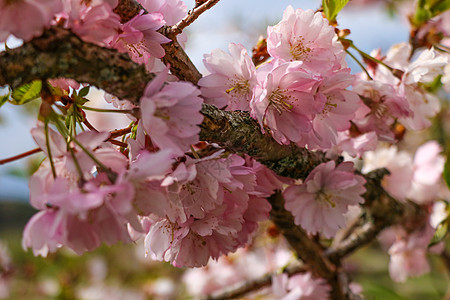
x,y
237,21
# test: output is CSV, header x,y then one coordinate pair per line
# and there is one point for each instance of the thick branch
x,y
240,133
60,53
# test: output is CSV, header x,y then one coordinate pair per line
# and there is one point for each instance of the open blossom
x,y
231,80
171,114
408,254
381,107
94,22
428,167
140,39
80,207
305,36
424,69
211,209
339,108
27,18
172,10
318,205
283,102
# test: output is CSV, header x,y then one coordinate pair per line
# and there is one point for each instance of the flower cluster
x,y
300,94
192,200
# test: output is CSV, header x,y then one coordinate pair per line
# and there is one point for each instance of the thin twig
x,y
192,15
118,143
120,132
19,156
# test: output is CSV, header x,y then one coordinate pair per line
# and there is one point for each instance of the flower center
x,y
279,101
298,49
239,87
329,105
324,197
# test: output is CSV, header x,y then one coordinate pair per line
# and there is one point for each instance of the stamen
x,y
298,50
279,101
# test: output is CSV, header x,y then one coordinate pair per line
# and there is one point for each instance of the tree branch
x,y
60,53
306,249
191,17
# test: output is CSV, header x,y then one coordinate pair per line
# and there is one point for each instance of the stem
x,y
111,175
89,125
118,143
123,111
120,132
359,63
19,156
442,48
49,151
194,153
364,54
77,166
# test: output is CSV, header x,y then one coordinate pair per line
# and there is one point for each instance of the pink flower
x,y
428,168
172,10
283,102
408,254
319,203
139,38
339,108
211,210
300,287
424,69
94,22
382,107
305,36
171,114
27,18
231,80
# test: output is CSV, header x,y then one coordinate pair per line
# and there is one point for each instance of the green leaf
x,y
427,9
5,98
446,173
332,7
441,233
84,91
26,92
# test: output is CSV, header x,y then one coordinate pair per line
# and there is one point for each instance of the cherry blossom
x,y
339,108
381,108
139,38
319,203
231,80
305,36
35,15
171,113
94,22
283,102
